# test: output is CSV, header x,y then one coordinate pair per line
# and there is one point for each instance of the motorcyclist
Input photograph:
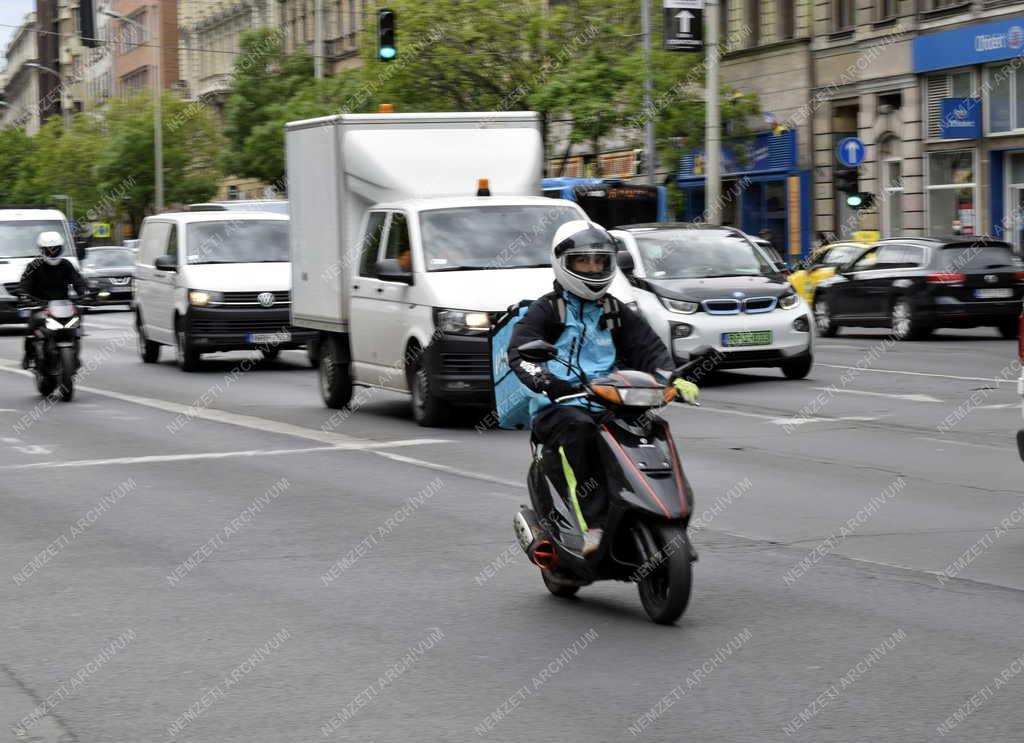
x,y
45,279
583,258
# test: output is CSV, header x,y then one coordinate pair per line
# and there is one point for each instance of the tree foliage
x,y
16,151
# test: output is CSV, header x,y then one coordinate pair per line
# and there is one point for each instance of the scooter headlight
x,y
643,397
52,324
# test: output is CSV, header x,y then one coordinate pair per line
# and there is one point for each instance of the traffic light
x,y
848,184
386,49
860,200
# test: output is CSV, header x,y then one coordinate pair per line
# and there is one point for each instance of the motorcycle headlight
x,y
52,324
199,298
679,305
73,322
461,322
789,301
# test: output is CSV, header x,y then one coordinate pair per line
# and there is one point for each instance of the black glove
x,y
557,387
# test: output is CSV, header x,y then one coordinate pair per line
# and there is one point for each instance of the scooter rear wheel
x,y
556,587
665,590
45,384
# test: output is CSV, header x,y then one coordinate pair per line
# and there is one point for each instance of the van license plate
x,y
993,293
748,338
271,339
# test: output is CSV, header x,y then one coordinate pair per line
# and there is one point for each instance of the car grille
x,y
752,305
114,281
465,363
236,326
252,298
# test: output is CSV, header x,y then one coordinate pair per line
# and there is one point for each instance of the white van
x,y
214,281
19,229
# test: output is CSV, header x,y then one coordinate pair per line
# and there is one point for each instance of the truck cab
x,y
19,229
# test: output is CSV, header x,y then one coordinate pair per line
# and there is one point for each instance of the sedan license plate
x,y
271,339
748,338
993,293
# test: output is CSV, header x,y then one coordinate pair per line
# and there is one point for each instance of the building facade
x,y
151,30
21,83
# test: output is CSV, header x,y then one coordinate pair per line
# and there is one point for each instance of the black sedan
x,y
109,269
915,285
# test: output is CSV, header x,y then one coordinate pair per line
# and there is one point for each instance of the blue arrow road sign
x,y
850,152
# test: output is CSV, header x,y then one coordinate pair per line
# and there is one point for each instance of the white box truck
x,y
402,256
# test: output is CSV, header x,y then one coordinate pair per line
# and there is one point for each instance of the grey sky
x,y
12,13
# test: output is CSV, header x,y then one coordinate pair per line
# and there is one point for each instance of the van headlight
x,y
199,298
461,322
789,301
680,306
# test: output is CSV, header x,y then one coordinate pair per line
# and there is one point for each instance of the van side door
x,y
150,283
363,326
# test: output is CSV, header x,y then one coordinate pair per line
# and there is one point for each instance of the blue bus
x,y
612,202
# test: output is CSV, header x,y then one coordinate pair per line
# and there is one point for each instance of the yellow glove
x,y
687,390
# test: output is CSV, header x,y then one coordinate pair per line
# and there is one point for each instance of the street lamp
x,y
158,127
65,110
71,209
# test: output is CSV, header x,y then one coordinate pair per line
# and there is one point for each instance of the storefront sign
x,y
763,152
978,44
961,118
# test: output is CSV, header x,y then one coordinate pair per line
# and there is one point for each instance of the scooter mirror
x,y
537,351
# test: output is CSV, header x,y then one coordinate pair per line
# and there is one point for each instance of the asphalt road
x,y
217,557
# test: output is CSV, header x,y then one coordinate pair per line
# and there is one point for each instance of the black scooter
x,y
649,497
54,347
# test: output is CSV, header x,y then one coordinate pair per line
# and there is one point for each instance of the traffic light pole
x,y
713,136
318,39
650,154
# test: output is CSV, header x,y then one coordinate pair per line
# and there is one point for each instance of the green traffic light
x,y
854,200
387,52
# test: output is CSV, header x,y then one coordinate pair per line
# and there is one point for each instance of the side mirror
x,y
625,261
166,263
390,269
537,351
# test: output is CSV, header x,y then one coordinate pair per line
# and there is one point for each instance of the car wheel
x,y
905,326
1008,329
827,327
187,356
799,368
148,350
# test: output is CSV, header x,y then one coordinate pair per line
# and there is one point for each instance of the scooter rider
x,y
599,334
47,278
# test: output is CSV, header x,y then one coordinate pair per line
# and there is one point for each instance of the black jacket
x,y
637,346
43,281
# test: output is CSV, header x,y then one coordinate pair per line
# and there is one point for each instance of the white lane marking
x,y
910,397
90,324
452,470
162,458
1000,406
781,421
920,374
965,443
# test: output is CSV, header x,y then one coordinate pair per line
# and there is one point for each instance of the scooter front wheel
x,y
665,587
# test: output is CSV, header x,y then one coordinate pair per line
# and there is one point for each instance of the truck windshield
x,y
489,237
18,239
238,241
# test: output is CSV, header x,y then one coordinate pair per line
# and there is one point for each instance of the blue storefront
x,y
762,189
974,129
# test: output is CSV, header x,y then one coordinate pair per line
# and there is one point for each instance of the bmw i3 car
x,y
701,285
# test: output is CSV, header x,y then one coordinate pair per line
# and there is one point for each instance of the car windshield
x,y
18,238
110,258
238,241
481,237
967,258
699,254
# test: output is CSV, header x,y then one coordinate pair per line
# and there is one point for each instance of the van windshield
x,y
18,239
487,237
238,241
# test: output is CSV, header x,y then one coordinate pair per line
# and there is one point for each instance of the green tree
x,y
264,79
16,151
191,144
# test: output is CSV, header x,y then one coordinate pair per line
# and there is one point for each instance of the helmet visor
x,y
51,251
591,263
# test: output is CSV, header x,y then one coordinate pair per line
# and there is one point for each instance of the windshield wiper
x,y
457,268
727,275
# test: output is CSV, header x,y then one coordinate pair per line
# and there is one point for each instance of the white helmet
x,y
51,245
581,238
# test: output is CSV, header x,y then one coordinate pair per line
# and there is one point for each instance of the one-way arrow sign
x,y
684,25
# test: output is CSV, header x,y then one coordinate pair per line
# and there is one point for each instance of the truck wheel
x,y
335,375
313,353
148,350
427,408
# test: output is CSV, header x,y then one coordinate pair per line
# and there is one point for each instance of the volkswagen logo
x,y
266,299
991,278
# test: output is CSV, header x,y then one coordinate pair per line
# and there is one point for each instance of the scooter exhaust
x,y
534,543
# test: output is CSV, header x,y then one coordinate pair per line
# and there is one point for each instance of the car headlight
x,y
789,301
52,324
461,322
199,298
679,305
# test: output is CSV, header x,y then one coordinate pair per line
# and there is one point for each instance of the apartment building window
x,y
843,15
940,4
945,85
753,20
1005,109
891,164
786,19
952,193
887,9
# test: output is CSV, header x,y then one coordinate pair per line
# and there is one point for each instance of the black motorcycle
x,y
649,498
54,347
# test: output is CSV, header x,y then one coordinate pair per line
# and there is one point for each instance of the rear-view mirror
x,y
625,261
166,263
390,269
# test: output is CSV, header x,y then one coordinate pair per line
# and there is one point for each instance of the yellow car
x,y
821,265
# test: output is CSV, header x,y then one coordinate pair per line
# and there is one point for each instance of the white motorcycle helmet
x,y
578,240
51,245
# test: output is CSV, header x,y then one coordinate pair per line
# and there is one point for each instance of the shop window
x,y
946,85
1005,99
843,15
952,193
